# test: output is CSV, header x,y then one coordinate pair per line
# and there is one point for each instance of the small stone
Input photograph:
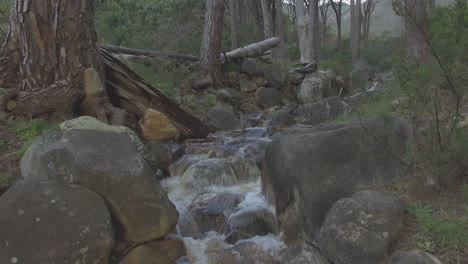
x,y
14,260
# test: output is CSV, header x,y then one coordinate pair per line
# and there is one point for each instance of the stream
x,y
216,189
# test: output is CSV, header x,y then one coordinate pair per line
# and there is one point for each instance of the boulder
x,y
165,251
94,89
306,170
230,94
296,78
267,97
109,164
301,253
251,67
156,126
165,153
281,119
275,76
223,118
50,222
413,257
249,223
254,119
320,85
326,110
246,252
246,85
361,73
359,229
181,165
211,212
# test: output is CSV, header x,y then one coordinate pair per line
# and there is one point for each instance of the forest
x,y
234,131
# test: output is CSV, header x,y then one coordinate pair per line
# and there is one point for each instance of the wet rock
x,y
223,118
306,170
219,172
301,253
211,211
251,67
267,97
281,119
359,229
242,253
250,223
187,227
320,85
165,153
164,251
155,126
45,222
246,85
109,164
275,76
413,257
254,118
326,110
181,165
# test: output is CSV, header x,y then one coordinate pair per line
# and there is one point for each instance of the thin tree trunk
x,y
49,48
210,62
279,52
314,30
234,12
352,23
302,17
357,29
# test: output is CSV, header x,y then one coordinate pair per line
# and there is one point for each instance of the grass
x,y
450,232
28,131
5,178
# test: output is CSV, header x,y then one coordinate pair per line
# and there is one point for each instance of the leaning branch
x,y
148,53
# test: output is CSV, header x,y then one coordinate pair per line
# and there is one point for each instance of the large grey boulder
x,y
319,85
413,257
326,110
251,67
110,164
275,76
244,252
306,170
45,222
359,229
165,251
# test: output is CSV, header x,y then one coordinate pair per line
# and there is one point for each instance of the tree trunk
x,y
357,29
352,23
48,49
314,30
302,18
337,9
234,12
279,52
210,62
417,49
431,6
130,92
267,19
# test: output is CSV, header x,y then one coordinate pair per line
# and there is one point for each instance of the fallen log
x,y
148,53
249,51
130,92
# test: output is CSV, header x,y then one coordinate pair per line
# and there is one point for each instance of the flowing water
x,y
224,165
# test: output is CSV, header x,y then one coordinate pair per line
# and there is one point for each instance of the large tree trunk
x,y
234,13
352,31
356,28
417,49
314,30
302,18
210,62
338,9
48,49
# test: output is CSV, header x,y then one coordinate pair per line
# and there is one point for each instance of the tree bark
x,y
314,30
338,10
279,52
129,91
356,28
149,53
48,49
234,13
416,26
368,9
267,19
302,18
210,62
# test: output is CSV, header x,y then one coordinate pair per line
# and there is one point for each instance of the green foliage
x,y
30,130
437,92
379,52
209,99
4,178
450,232
338,60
